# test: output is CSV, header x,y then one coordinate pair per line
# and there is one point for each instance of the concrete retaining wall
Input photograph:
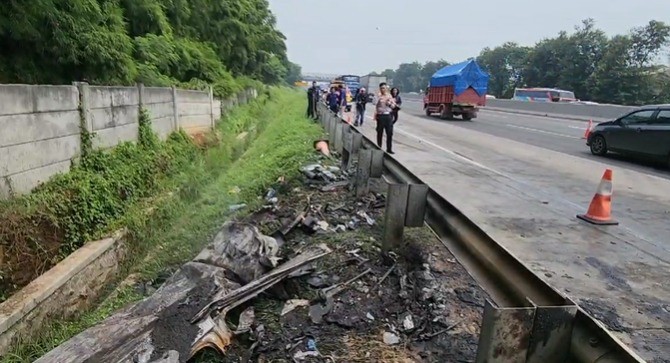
x,y
40,125
39,134
74,283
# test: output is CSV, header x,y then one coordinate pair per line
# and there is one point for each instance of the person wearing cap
x,y
384,117
361,100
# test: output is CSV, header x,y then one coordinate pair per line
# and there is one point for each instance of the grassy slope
x,y
255,146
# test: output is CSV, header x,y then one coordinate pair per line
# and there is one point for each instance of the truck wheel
x,y
467,116
428,113
445,113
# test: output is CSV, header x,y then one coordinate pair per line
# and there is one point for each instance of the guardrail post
x,y
394,216
504,334
405,207
347,147
339,134
377,164
363,172
331,129
534,334
357,142
551,335
417,202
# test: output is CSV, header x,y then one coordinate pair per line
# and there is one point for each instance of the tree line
x,y
191,43
623,69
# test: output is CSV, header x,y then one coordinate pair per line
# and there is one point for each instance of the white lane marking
x,y
542,131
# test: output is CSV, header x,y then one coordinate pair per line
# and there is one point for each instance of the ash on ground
x,y
355,304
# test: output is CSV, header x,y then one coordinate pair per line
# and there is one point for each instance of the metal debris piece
x,y
236,207
217,337
335,186
301,356
169,357
367,218
248,253
291,305
246,321
408,323
391,339
228,300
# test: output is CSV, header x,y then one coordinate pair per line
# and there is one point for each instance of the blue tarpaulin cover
x,y
462,76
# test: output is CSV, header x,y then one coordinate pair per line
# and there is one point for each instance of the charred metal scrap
x,y
188,313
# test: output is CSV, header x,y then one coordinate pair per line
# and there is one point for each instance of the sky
x,y
360,36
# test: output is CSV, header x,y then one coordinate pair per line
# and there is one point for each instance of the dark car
x,y
644,132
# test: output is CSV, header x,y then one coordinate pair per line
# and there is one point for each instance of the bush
x,y
39,229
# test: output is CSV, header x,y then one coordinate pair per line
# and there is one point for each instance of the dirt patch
x,y
174,322
30,252
415,305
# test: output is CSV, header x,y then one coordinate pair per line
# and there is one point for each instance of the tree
x,y
294,73
158,42
505,65
620,69
408,77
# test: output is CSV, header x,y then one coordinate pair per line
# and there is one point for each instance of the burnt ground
x,y
427,309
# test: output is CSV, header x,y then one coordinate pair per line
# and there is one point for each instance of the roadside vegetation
x,y
623,69
251,149
230,44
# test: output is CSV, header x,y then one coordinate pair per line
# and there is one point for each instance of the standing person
x,y
343,100
383,115
312,100
395,93
333,100
361,101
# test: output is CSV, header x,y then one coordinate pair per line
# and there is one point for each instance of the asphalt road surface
x,y
523,179
562,135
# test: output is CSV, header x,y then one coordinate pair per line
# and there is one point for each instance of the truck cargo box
x,y
457,90
462,76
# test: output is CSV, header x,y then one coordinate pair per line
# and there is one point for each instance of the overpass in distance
x,y
319,77
522,172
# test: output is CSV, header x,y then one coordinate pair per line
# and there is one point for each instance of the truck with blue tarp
x,y
457,90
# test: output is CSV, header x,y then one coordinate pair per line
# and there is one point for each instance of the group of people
x,y
387,105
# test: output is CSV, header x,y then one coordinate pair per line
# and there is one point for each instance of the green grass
x,y
195,201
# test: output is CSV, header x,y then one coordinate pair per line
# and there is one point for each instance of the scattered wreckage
x,y
352,302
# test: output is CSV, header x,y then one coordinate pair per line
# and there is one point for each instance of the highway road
x,y
562,135
523,179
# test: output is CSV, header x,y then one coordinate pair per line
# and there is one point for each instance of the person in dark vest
x,y
333,100
361,101
383,114
312,100
395,93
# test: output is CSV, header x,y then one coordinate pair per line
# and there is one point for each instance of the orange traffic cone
x,y
600,210
588,130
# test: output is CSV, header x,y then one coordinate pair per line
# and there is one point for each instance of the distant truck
x,y
371,84
457,90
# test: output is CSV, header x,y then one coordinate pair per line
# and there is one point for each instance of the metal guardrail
x,y
528,320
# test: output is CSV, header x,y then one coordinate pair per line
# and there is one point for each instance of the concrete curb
x,y
72,284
